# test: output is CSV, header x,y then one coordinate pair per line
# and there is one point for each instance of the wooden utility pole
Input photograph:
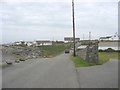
x,y
83,36
73,27
89,35
89,38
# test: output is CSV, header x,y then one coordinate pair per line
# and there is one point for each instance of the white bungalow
x,y
42,43
29,43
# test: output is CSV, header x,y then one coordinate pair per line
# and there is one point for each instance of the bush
x,y
101,50
109,50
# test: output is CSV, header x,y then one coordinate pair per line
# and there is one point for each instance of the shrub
x,y
101,50
109,50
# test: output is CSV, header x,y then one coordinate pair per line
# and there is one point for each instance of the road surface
x,y
101,76
57,72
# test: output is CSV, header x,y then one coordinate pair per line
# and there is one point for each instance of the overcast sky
x,y
37,20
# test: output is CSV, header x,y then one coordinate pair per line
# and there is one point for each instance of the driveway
x,y
102,76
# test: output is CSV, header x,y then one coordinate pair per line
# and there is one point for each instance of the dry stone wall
x,y
90,53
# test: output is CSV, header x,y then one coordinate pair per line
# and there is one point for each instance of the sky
x,y
52,20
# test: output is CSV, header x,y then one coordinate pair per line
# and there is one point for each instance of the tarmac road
x,y
57,72
101,76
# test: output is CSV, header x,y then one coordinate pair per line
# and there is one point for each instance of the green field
x,y
54,50
103,58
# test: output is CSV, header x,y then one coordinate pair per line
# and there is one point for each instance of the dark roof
x,y
105,37
70,38
43,41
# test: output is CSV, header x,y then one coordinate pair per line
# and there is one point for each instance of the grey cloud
x,y
45,20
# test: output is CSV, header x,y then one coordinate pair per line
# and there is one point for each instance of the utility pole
x,y
83,36
89,35
89,38
73,27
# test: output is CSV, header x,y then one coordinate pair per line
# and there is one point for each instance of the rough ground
x,y
13,53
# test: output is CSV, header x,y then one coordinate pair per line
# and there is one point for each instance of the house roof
x,y
70,38
103,38
43,41
106,37
29,42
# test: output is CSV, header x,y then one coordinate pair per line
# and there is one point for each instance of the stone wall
x,y
89,53
82,52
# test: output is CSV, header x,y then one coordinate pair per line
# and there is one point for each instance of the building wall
x,y
29,44
18,43
70,39
82,53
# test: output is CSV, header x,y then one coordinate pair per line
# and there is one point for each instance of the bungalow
x,y
29,43
17,43
115,37
70,39
42,42
20,43
105,38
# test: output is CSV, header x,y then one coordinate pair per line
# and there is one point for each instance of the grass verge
x,y
79,62
103,58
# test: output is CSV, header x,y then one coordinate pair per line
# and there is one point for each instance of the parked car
x,y
9,63
67,51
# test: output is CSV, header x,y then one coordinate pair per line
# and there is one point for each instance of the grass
x,y
54,50
79,62
106,56
103,58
